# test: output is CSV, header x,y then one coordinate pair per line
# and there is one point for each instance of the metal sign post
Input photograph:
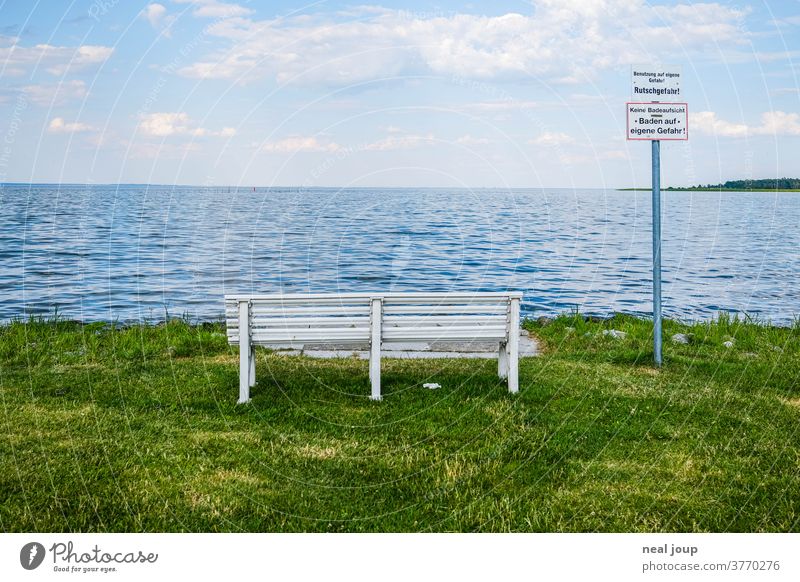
x,y
657,251
656,121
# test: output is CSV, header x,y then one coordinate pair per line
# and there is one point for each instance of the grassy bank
x,y
137,429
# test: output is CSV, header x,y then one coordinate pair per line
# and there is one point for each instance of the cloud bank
x,y
558,42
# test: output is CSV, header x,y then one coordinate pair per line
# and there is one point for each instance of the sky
x,y
406,94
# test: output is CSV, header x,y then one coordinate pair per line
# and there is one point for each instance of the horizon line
x,y
317,187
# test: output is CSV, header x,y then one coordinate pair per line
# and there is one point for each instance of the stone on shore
x,y
615,333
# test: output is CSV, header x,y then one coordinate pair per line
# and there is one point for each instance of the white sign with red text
x,y
662,121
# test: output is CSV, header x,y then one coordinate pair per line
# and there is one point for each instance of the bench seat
x,y
377,319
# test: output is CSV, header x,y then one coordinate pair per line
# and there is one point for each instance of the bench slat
x,y
298,323
330,327
290,301
446,301
308,321
310,335
398,320
282,311
235,297
422,334
388,310
433,330
348,330
444,309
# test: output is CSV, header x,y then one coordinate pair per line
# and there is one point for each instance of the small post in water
x,y
657,251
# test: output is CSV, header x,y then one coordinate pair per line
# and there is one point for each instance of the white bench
x,y
375,319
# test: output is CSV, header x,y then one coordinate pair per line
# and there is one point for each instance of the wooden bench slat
x,y
307,321
311,335
234,297
389,320
444,337
444,309
285,311
488,301
388,310
435,332
290,302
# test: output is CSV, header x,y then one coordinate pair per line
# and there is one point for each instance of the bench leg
x,y
244,372
375,374
513,347
252,374
513,370
244,352
502,362
375,348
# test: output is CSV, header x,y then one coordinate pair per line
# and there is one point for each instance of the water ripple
x,y
138,252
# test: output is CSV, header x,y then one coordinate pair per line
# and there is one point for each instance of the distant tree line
x,y
765,184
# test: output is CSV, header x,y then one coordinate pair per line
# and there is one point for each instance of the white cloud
x,y
788,21
55,94
505,105
163,151
20,60
572,157
779,123
786,91
614,155
296,144
708,123
394,141
156,15
58,125
164,124
216,9
552,139
772,123
399,142
773,56
587,99
468,140
177,124
562,41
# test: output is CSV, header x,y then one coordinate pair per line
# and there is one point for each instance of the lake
x,y
134,253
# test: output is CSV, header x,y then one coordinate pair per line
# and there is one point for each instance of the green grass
x,y
137,429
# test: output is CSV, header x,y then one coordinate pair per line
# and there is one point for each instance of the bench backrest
x,y
445,317
346,318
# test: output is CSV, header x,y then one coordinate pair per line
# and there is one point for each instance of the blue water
x,y
132,253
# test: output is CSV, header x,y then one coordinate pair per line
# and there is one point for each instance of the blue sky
x,y
511,94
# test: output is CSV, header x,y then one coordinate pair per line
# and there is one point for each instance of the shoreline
x,y
732,190
730,318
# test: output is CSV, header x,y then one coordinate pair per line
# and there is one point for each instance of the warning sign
x,y
663,121
656,83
